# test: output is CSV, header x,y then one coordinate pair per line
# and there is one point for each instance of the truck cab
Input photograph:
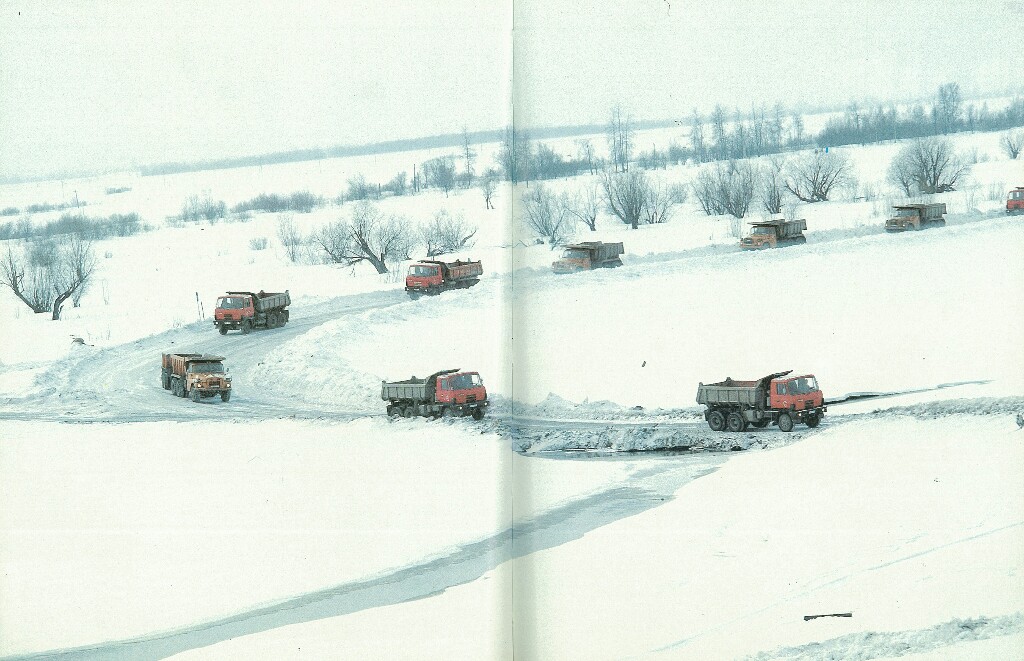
x,y
461,388
423,276
234,307
573,259
1015,201
796,393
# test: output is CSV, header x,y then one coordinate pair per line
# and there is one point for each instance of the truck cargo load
x,y
773,399
432,277
442,394
588,255
916,216
195,375
246,310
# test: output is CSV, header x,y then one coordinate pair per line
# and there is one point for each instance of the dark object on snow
x,y
812,617
1020,421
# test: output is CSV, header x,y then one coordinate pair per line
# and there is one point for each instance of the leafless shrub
x,y
202,207
368,236
626,194
726,188
258,243
546,215
1012,143
290,236
659,205
584,206
489,185
447,234
927,165
772,186
812,177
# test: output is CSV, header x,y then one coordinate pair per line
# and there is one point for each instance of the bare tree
x,y
660,203
1012,143
585,154
584,206
546,216
930,164
813,176
771,185
440,173
620,135
358,188
949,108
489,186
514,154
50,273
468,158
290,236
367,236
726,188
447,234
626,194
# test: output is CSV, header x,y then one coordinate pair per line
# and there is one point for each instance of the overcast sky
x,y
88,85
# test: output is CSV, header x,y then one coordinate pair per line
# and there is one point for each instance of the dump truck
x,y
773,399
916,216
430,276
1015,201
588,255
448,393
246,310
774,234
195,375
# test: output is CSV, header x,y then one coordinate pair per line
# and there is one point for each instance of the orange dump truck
x,y
774,234
777,398
433,277
195,375
588,255
916,216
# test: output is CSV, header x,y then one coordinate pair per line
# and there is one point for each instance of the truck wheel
x,y
223,329
176,387
447,413
478,414
716,421
246,327
194,395
786,422
812,420
165,381
225,395
407,412
735,422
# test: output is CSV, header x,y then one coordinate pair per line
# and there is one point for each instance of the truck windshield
x,y
205,368
803,386
463,382
231,302
575,254
1017,195
421,270
763,230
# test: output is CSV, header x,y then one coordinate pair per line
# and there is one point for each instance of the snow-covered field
x,y
248,529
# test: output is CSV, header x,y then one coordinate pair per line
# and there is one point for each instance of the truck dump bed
x,y
414,389
264,301
784,228
458,270
749,393
599,251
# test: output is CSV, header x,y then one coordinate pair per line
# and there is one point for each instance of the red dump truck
x,y
442,394
1015,201
588,255
195,375
776,398
246,310
433,277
